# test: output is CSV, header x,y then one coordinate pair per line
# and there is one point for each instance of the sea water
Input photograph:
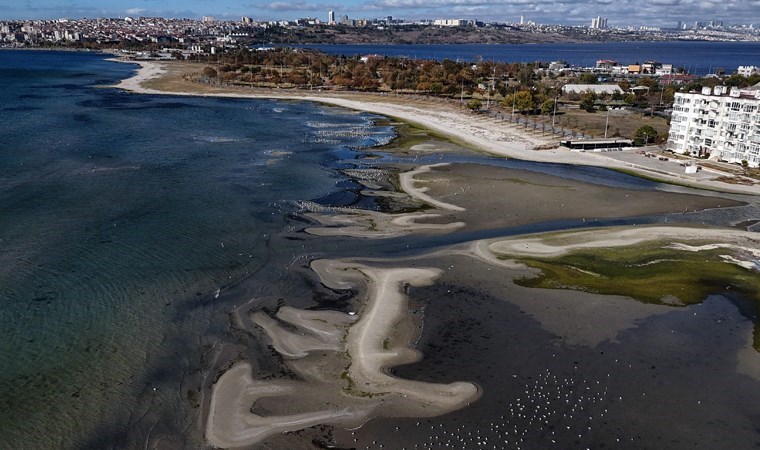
x,y
132,225
122,219
696,57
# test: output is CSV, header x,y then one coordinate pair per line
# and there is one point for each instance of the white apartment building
x,y
450,22
719,122
748,71
598,23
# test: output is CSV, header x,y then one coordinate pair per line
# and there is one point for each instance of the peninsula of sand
x,y
341,362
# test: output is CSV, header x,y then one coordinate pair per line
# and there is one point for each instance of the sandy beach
x,y
346,367
484,134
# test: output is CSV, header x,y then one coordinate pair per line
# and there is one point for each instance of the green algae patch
x,y
648,273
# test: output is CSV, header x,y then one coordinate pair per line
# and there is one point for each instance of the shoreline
x,y
479,133
345,381
258,334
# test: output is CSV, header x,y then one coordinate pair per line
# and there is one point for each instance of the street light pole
x,y
554,114
514,97
607,123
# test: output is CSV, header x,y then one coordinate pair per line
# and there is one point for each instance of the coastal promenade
x,y
479,132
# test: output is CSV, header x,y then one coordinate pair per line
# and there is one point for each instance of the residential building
x,y
450,22
663,69
748,71
606,64
331,17
598,23
558,65
720,122
600,89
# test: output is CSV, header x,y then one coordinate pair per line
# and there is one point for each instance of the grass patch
x,y
408,135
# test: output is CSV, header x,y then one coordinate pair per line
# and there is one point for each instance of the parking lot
x,y
656,163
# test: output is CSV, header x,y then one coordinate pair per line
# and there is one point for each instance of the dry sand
x,y
341,361
488,135
558,244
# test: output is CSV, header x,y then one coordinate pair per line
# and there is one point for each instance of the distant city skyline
x,y
663,13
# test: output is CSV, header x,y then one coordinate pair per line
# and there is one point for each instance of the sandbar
x,y
341,360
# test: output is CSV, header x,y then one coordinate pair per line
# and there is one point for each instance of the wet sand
x,y
484,134
447,340
355,368
556,373
341,361
481,197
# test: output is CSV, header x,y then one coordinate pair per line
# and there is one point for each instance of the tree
x,y
547,107
588,100
210,72
644,135
589,78
524,101
474,104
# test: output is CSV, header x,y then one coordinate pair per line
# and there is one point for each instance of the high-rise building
x,y
598,22
330,16
722,122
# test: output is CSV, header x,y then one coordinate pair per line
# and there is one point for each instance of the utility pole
x,y
514,98
554,113
490,88
607,123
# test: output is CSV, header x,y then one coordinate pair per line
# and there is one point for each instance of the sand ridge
x,y
374,224
342,361
558,244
